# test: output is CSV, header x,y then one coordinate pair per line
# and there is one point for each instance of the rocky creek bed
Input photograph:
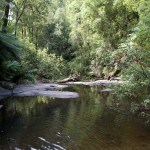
x,y
50,89
40,89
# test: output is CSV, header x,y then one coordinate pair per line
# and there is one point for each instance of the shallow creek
x,y
85,123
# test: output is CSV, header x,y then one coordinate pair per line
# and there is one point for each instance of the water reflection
x,y
85,123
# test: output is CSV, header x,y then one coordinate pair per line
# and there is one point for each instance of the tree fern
x,y
10,47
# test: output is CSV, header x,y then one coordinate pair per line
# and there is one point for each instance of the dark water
x,y
85,123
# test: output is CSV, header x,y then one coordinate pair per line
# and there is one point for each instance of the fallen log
x,y
71,78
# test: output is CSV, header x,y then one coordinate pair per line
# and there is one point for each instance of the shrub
x,y
49,66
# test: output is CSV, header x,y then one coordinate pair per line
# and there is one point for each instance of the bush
x,y
49,66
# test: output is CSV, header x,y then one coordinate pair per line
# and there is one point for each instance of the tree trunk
x,y
36,39
22,33
25,32
16,23
32,34
5,19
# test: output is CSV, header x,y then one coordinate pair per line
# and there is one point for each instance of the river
x,y
89,122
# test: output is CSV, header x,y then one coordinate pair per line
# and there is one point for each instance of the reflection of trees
x,y
45,116
25,105
83,113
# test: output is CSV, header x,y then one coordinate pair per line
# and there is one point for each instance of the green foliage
x,y
99,27
57,32
57,41
92,36
10,50
147,102
15,72
136,49
10,47
2,5
48,66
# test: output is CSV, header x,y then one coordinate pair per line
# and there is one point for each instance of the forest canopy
x,y
52,39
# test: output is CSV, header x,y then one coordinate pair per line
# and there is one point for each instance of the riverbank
x,y
50,89
97,82
38,89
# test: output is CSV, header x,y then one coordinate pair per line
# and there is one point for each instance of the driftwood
x,y
71,78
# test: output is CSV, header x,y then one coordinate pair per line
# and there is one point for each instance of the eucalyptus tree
x,y
9,45
4,14
2,6
27,18
56,31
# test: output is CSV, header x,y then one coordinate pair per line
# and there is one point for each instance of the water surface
x,y
86,123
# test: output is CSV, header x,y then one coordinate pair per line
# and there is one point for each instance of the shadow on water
x,y
85,123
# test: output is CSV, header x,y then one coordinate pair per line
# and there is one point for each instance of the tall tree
x,y
6,15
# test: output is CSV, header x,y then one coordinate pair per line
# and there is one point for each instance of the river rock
x,y
98,82
39,86
55,94
40,89
4,93
107,90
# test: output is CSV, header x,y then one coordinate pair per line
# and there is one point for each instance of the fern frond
x,y
10,47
